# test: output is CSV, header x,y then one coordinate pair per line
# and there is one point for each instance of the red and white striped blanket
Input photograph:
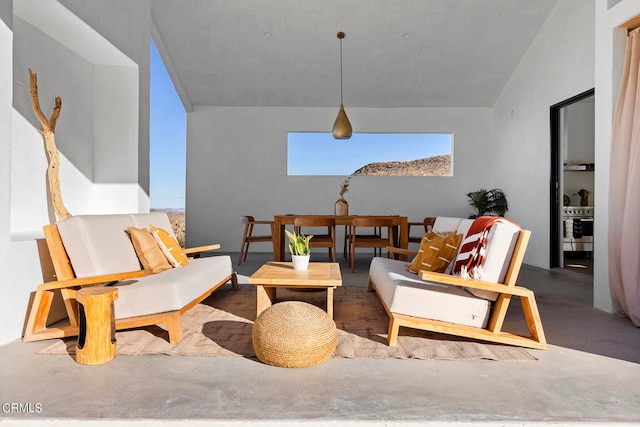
x,y
469,261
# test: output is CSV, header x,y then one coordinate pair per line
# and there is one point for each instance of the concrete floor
x,y
589,375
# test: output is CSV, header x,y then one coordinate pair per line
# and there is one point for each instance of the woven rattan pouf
x,y
294,334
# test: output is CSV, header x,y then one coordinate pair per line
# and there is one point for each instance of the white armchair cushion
x,y
462,228
501,242
445,224
404,293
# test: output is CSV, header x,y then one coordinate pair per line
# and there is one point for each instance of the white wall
x,y
18,260
97,131
6,90
104,115
115,124
9,294
127,26
61,72
559,64
237,161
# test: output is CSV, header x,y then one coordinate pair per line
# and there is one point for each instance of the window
x,y
370,154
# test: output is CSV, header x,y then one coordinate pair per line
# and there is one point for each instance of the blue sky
x,y
320,154
168,139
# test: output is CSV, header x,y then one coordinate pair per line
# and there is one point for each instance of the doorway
x,y
572,183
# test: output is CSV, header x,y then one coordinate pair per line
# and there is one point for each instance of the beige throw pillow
x,y
436,252
170,247
149,254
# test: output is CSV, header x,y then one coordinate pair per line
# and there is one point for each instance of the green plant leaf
x,y
298,245
491,202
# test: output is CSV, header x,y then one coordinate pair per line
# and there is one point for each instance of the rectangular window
x,y
370,154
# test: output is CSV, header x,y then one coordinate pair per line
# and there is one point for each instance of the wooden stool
x,y
97,336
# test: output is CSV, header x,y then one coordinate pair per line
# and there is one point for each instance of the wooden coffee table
x,y
274,275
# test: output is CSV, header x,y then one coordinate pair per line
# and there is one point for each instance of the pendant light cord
x,y
340,71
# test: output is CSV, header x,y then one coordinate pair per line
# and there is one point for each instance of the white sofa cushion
x,y
157,219
405,293
99,244
172,289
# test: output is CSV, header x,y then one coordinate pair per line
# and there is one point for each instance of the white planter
x,y
300,262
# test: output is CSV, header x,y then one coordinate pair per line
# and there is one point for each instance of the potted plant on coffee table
x,y
299,247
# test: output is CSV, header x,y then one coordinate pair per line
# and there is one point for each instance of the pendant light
x,y
342,126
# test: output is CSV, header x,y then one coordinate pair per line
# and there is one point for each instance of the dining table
x,y
401,224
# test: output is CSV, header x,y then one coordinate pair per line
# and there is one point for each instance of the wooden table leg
x,y
278,239
330,302
404,236
266,297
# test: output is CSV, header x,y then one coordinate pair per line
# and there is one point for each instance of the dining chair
x,y
324,239
375,232
377,240
427,223
248,236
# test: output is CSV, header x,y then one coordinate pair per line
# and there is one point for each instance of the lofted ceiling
x,y
397,53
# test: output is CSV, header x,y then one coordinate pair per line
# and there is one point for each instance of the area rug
x,y
221,327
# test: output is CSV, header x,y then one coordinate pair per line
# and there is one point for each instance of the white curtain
x,y
624,187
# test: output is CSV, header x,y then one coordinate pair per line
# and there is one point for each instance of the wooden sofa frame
x,y
36,328
493,332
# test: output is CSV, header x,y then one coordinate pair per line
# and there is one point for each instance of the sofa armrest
x,y
394,252
475,284
94,280
195,252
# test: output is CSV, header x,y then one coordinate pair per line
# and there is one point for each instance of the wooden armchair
x,y
493,331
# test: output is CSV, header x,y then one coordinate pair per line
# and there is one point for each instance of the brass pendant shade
x,y
341,127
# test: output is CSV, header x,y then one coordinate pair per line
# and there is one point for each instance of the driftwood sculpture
x,y
48,133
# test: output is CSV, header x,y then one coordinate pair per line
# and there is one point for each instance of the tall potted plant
x,y
488,202
300,251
